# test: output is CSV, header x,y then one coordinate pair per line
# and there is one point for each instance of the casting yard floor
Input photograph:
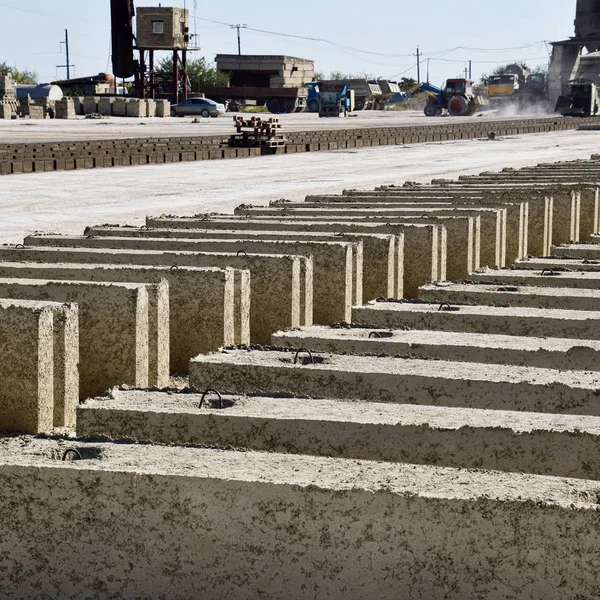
x,y
68,201
118,127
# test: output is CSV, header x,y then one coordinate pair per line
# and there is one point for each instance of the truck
x,y
334,99
456,97
277,82
580,98
368,94
516,87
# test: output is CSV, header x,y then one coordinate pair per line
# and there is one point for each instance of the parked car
x,y
197,107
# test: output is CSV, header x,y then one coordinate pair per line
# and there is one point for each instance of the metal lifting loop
x,y
445,306
212,391
174,268
74,452
548,272
312,360
242,252
20,246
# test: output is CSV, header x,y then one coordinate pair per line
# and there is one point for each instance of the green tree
x,y
24,76
200,72
408,84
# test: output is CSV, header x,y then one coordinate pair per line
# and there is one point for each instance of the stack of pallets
x,y
256,133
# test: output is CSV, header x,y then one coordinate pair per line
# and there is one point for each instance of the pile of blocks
x,y
389,393
256,133
8,97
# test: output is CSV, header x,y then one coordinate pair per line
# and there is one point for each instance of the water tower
x,y
162,28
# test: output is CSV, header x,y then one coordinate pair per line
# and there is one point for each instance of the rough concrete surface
x,y
385,379
562,445
298,527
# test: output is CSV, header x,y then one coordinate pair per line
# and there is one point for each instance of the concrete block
x,y
545,277
119,107
118,324
336,268
524,295
423,248
282,285
202,307
382,266
450,437
163,108
577,251
90,105
432,528
452,384
551,353
513,321
28,364
463,232
105,105
136,108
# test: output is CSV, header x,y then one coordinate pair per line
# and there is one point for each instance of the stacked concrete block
x,y
105,105
8,96
338,266
116,330
150,108
90,105
204,302
78,101
163,108
65,108
119,107
136,108
38,365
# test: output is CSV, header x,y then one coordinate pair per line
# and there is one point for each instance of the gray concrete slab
x,y
541,352
582,251
384,379
514,321
202,307
282,288
546,277
422,253
557,445
379,262
431,528
116,326
530,296
463,232
27,366
559,264
337,269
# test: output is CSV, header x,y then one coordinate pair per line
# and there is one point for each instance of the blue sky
x,y
33,29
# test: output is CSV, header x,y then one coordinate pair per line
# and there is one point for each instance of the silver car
x,y
197,107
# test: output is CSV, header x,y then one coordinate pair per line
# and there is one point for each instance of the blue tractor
x,y
457,98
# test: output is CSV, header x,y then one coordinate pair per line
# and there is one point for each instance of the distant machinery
x,y
568,61
122,13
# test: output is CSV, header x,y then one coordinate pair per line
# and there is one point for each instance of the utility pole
x,y
427,70
418,66
238,27
68,65
470,69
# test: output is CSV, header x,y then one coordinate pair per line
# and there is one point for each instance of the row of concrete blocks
x,y
394,255
298,142
424,476
447,466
